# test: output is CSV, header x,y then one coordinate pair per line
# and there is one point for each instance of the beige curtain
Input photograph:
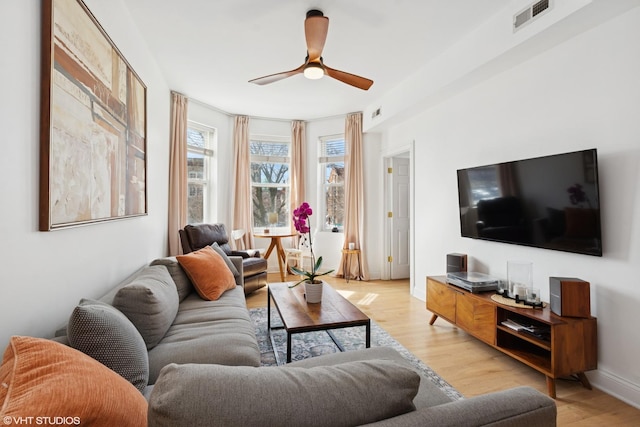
x,y
354,195
177,171
242,217
298,156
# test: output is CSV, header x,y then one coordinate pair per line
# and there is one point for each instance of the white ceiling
x,y
210,49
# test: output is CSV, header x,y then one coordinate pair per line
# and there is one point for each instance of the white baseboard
x,y
421,294
618,387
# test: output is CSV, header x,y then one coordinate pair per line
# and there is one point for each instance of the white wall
x,y
583,93
44,274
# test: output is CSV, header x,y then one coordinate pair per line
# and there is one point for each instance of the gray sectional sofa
x,y
161,301
203,367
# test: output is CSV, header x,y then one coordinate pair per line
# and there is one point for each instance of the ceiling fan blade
x,y
348,78
315,30
278,76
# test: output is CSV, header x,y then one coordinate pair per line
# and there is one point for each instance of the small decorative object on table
x,y
519,278
313,286
519,285
273,219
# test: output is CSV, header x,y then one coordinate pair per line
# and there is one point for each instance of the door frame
x,y
385,161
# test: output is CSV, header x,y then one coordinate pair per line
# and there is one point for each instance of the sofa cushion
x,y
218,331
429,393
226,259
102,332
42,378
208,272
349,394
177,273
150,302
519,406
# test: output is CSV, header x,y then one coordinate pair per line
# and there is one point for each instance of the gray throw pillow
x,y
102,332
347,394
179,276
150,302
226,259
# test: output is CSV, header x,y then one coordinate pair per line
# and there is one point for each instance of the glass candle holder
x,y
519,275
533,295
503,287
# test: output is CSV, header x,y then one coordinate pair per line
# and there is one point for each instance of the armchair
x,y
196,236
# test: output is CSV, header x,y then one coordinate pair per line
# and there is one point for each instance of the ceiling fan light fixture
x,y
315,33
313,71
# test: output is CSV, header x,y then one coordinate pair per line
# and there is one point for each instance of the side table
x,y
346,263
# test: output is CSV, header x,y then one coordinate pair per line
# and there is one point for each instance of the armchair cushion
x,y
252,266
200,235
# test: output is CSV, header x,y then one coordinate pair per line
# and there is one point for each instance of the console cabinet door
x,y
477,317
441,300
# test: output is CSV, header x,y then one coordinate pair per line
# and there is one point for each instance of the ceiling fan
x,y
316,26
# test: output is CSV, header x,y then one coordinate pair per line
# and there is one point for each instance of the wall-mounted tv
x,y
548,202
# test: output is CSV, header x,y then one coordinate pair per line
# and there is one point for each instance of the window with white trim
x,y
200,142
270,181
331,166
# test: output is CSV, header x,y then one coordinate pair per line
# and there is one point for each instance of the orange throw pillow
x,y
58,385
208,272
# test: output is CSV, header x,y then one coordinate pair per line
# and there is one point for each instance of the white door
x,y
400,218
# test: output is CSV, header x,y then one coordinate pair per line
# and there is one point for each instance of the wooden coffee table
x,y
334,312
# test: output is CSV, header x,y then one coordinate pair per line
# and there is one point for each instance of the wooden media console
x,y
560,346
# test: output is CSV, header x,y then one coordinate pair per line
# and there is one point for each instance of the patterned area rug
x,y
312,344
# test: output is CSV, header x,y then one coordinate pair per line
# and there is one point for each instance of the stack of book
x,y
539,331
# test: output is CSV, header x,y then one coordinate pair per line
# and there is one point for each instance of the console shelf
x,y
526,337
561,346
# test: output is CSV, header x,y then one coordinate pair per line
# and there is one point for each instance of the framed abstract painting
x,y
93,151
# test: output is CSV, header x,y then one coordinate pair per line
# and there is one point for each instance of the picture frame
x,y
93,124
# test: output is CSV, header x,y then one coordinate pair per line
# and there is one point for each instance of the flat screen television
x,y
548,202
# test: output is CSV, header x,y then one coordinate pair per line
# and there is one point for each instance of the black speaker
x,y
456,263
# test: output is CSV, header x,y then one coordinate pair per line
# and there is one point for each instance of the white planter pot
x,y
313,292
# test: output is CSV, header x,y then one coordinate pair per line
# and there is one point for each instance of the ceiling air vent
x,y
530,13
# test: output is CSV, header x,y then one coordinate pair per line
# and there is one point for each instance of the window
x,y
331,159
270,183
200,139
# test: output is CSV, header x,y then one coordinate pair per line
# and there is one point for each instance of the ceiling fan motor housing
x,y
314,12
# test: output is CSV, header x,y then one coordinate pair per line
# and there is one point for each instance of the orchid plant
x,y
302,223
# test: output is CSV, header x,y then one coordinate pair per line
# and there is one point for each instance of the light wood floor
x,y
469,365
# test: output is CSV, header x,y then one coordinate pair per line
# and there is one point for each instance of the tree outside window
x,y
270,188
